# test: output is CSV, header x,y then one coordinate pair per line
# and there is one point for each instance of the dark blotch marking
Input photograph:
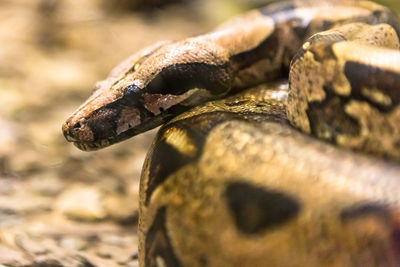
x,y
165,159
330,116
158,243
287,23
388,17
147,118
256,209
177,79
102,122
364,210
269,49
365,76
266,49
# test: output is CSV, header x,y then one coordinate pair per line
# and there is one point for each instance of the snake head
x,y
146,90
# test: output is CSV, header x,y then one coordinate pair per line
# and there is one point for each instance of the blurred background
x,y
60,206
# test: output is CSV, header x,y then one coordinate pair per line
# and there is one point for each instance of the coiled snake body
x,y
231,182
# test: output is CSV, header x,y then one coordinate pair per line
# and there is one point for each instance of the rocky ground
x,y
60,206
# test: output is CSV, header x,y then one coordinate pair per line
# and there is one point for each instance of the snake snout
x,y
77,131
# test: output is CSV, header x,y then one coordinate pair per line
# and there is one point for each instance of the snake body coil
x,y
231,182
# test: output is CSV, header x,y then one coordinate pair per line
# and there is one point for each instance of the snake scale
x,y
251,170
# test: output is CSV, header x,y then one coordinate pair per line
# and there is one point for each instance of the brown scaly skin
x,y
162,81
356,103
227,185
230,182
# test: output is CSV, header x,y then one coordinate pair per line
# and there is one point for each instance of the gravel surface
x,y
60,206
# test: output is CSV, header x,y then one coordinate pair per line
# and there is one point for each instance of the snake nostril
x,y
77,126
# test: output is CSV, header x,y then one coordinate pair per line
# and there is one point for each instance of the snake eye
x,y
131,91
131,95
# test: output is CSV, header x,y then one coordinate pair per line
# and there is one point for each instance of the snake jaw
x,y
114,137
92,146
91,128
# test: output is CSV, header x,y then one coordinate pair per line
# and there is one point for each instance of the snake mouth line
x,y
93,146
99,144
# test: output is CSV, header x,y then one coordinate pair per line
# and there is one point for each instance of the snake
x,y
279,142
